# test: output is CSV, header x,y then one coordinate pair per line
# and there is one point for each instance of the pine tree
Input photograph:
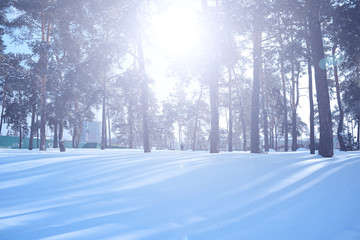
x,y
257,36
317,49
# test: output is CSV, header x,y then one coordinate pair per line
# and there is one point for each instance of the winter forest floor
x,y
128,195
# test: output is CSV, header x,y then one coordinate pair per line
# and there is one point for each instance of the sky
x,y
173,33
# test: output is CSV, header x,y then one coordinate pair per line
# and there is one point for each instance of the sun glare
x,y
176,32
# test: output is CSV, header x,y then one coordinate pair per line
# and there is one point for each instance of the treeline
x,y
89,54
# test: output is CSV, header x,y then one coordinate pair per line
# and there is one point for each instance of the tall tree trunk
x,y
131,107
74,137
272,129
20,138
213,75
293,107
293,131
43,115
61,134
21,126
45,29
55,135
103,129
358,134
276,138
144,96
165,141
283,81
243,122
285,121
230,137
59,108
131,124
271,137
312,112
340,134
322,90
214,104
255,138
264,112
197,119
3,105
80,127
32,127
37,133
109,127
180,137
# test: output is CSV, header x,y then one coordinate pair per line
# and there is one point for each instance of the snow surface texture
x,y
128,195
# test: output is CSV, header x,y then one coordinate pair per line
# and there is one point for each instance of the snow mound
x,y
302,150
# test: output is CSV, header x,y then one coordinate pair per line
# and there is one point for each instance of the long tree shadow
x,y
274,198
70,186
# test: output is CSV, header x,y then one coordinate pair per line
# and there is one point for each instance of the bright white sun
x,y
176,32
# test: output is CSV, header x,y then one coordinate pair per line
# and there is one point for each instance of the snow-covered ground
x,y
128,195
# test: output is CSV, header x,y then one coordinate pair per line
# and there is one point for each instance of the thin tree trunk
x,y
79,134
243,123
55,135
46,28
131,124
103,129
264,112
60,106
131,110
276,138
293,108
165,141
255,138
73,137
109,127
32,127
230,115
226,119
297,90
61,133
243,127
214,103
272,129
271,137
37,133
340,134
282,72
3,105
285,121
144,97
214,87
293,131
43,115
358,134
322,90
311,100
197,119
20,138
20,128
180,138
